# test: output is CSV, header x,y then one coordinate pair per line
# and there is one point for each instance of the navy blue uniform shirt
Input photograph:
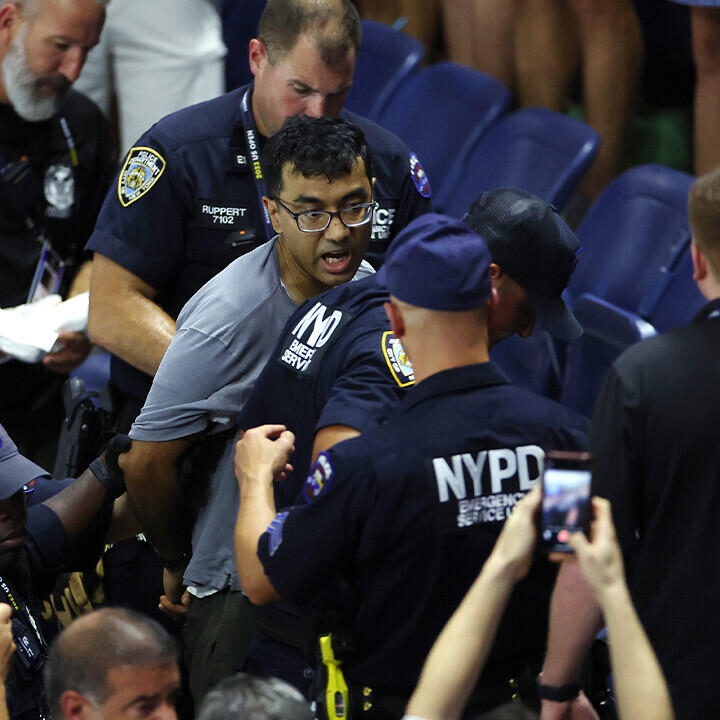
x,y
337,363
32,578
183,192
408,513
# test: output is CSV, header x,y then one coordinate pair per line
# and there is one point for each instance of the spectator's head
x,y
303,60
437,273
704,212
534,253
43,46
247,696
112,664
311,166
16,471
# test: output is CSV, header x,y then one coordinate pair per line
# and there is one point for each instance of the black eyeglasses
x,y
351,216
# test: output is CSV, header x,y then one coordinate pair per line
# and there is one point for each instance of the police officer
x,y
337,368
68,529
55,165
408,513
189,196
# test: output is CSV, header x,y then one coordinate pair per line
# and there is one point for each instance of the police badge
x,y
141,171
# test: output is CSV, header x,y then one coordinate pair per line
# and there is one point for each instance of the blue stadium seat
x,y
635,231
535,149
94,371
635,266
441,110
386,59
608,330
240,20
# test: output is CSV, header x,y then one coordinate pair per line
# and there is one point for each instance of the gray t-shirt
x,y
225,334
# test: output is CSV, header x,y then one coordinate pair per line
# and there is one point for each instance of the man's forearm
x,y
640,686
84,509
458,655
124,318
156,497
136,330
256,512
575,619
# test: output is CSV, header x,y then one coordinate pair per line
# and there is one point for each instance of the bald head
x,y
83,654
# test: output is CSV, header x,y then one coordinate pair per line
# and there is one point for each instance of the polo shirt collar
x,y
452,381
709,309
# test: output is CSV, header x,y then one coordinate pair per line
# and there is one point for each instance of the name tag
x,y
222,215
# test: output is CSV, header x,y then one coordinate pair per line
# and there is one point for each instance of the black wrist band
x,y
556,693
113,483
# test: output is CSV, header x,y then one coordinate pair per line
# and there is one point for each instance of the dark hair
x,y
83,653
251,697
314,146
335,25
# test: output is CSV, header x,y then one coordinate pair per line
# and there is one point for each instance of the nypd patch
x,y
397,360
142,169
319,479
419,176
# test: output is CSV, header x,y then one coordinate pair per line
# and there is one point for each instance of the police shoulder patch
x,y
275,529
319,478
397,360
419,176
142,169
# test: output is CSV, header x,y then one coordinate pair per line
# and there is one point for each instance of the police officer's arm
x,y
153,488
123,317
261,457
85,510
7,651
331,435
458,655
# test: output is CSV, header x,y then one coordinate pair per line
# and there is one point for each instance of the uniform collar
x,y
452,381
708,310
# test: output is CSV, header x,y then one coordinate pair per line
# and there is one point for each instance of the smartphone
x,y
565,498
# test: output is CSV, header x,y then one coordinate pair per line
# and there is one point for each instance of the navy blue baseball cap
x,y
16,470
438,263
535,247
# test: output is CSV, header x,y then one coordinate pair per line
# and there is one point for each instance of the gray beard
x,y
21,85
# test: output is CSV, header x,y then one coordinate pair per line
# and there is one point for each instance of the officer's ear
x,y
397,322
271,207
10,22
76,706
257,55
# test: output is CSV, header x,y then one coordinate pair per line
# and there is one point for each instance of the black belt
x,y
297,631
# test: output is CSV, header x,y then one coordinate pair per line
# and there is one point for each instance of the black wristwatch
x,y
556,693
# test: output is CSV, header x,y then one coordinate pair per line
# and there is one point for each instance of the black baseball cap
x,y
530,242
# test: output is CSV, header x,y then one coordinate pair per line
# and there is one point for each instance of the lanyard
x,y
70,142
20,607
254,155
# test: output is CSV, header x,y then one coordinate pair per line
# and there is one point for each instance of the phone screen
x,y
566,499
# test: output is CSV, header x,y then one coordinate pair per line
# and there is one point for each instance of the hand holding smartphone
x,y
565,509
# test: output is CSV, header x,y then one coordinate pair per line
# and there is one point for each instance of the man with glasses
x,y
320,204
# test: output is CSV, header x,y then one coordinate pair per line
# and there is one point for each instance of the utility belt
x,y
338,699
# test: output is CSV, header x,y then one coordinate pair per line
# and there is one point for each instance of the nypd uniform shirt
x,y
61,196
186,192
408,514
337,363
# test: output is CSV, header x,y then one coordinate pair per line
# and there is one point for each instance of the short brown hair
x,y
334,23
704,213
